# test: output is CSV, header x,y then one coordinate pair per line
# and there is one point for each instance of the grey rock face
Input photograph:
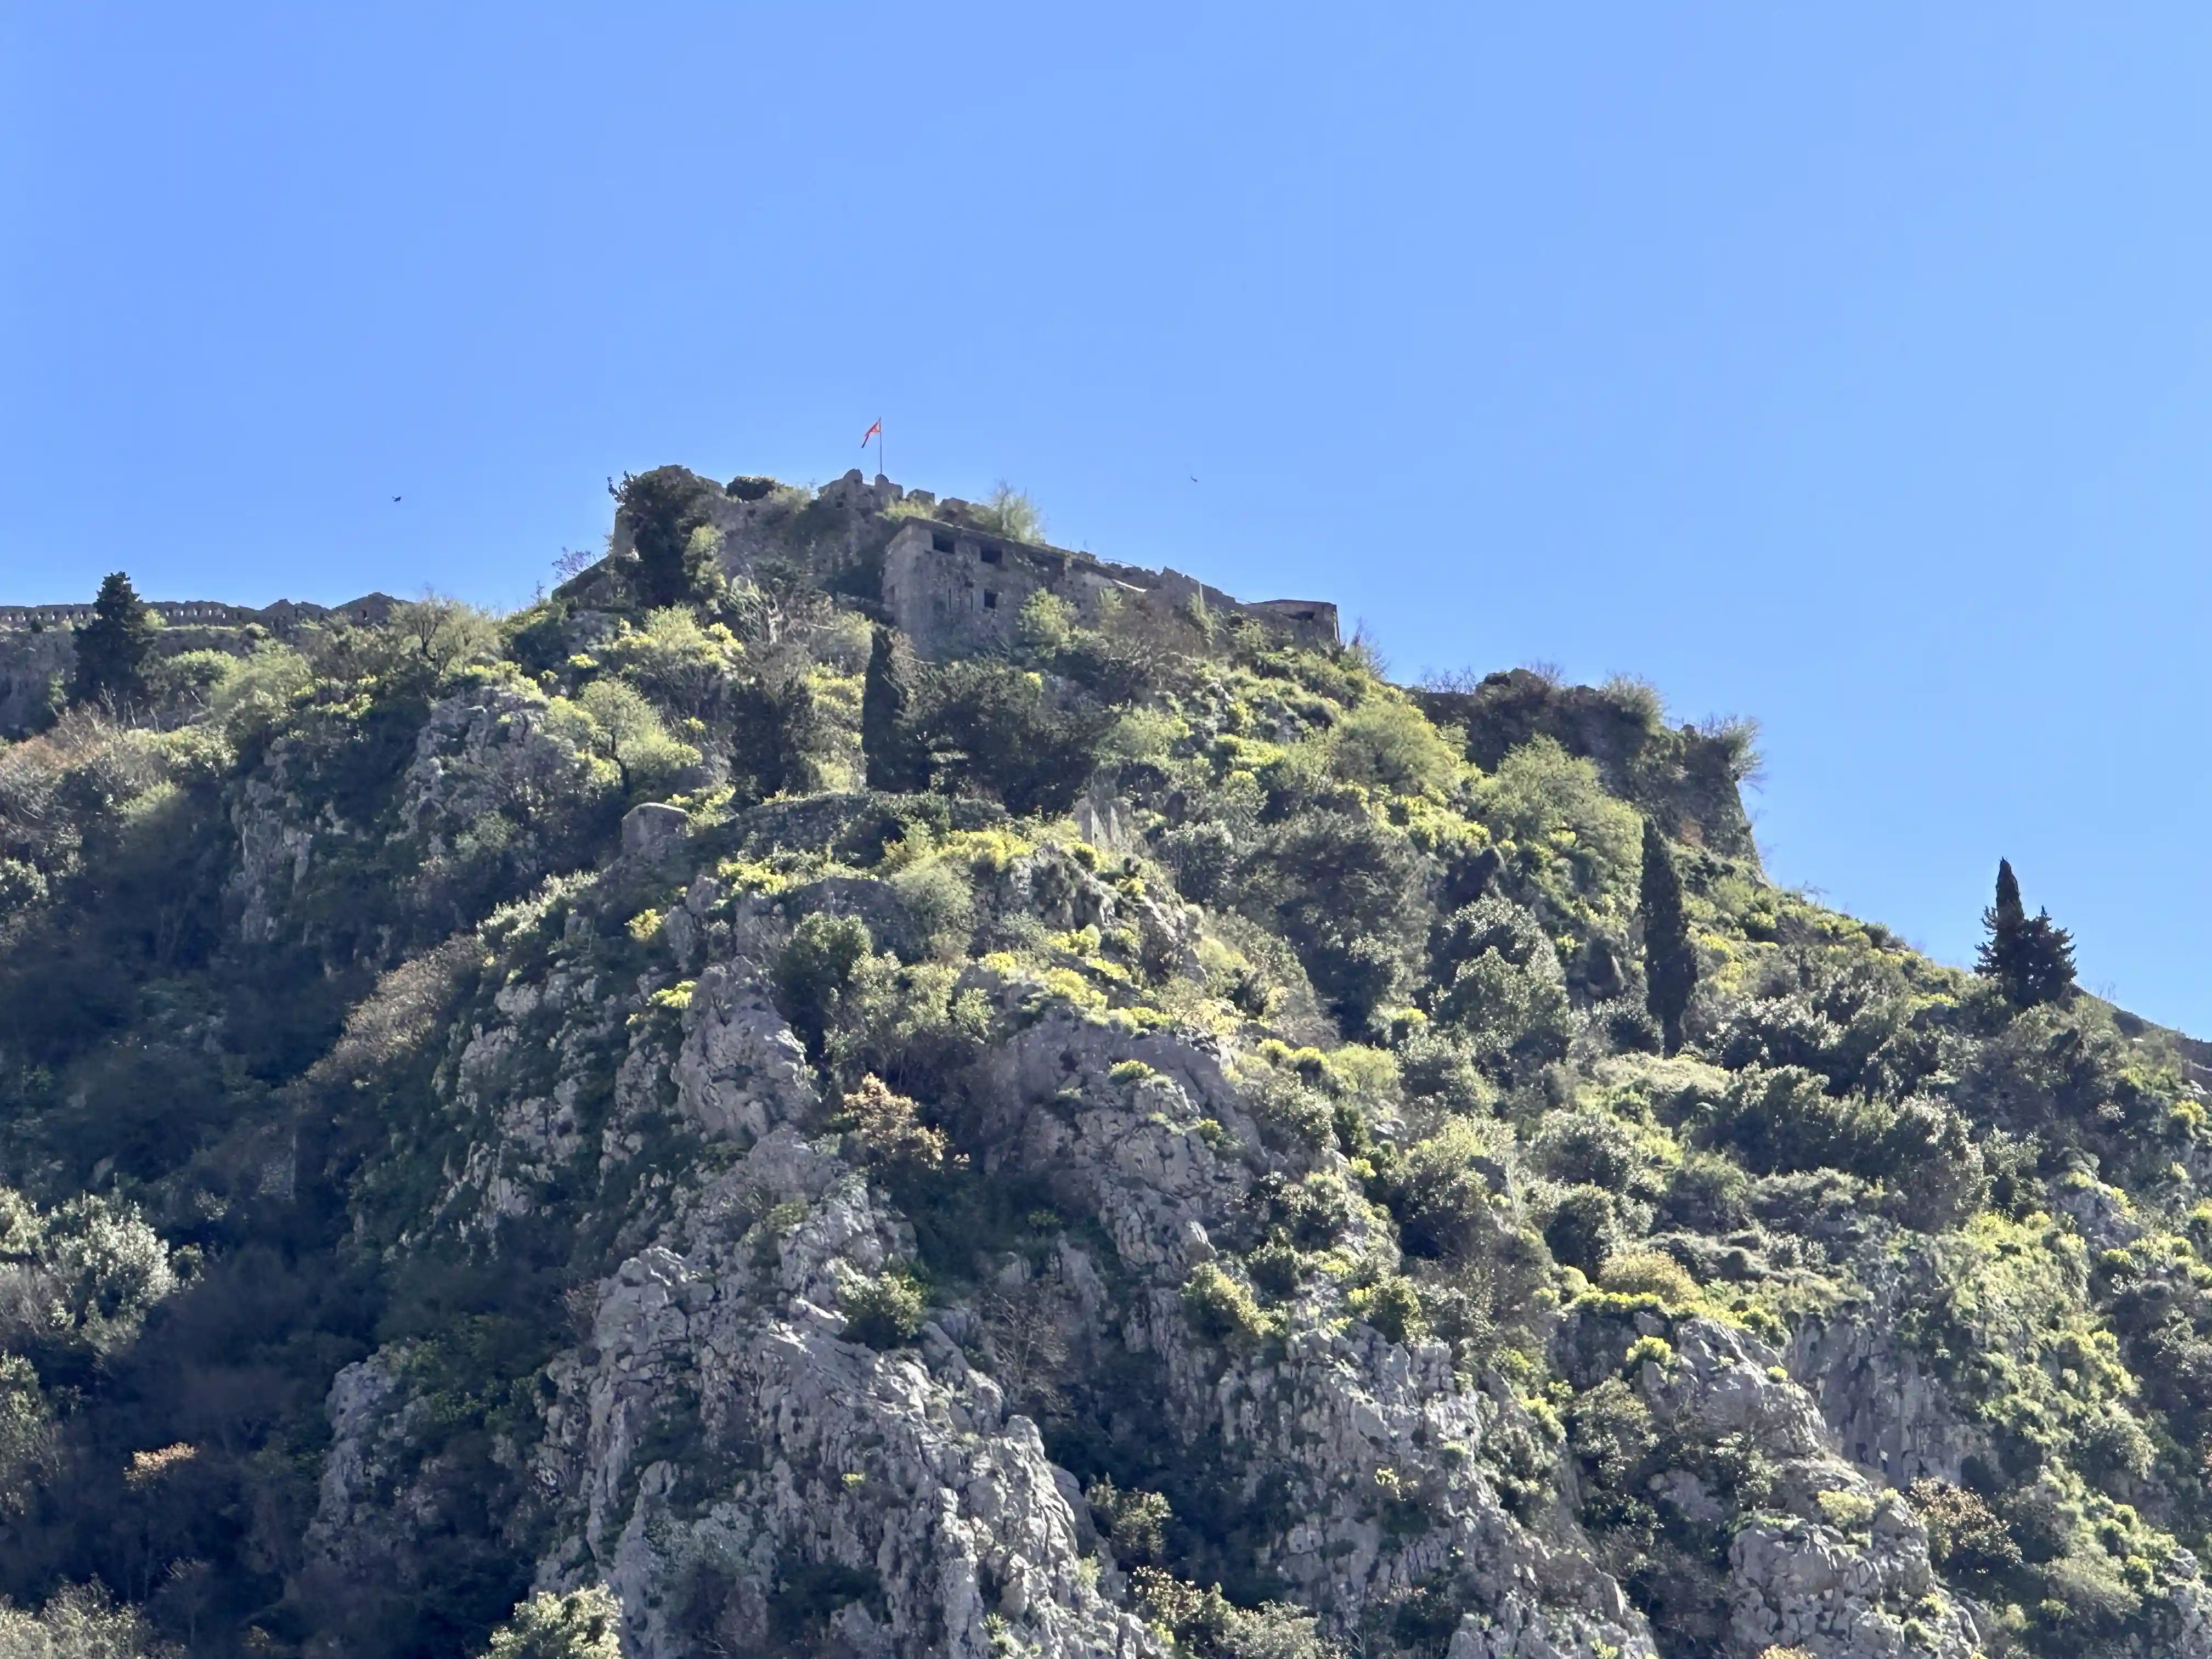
x,y
718,1448
648,828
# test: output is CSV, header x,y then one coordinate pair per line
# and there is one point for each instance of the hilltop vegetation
x,y
665,1122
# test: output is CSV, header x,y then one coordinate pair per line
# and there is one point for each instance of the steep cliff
x,y
1150,1140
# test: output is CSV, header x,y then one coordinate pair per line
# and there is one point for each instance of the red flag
x,y
871,432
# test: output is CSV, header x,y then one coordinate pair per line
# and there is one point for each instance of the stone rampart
x,y
950,584
38,642
955,589
285,613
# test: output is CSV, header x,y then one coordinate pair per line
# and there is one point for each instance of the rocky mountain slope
x,y
1148,1139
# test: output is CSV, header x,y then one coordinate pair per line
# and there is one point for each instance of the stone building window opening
x,y
990,600
990,555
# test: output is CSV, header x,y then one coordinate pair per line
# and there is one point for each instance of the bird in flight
x,y
395,498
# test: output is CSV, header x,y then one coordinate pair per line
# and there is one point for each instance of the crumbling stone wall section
x,y
31,659
954,589
38,642
952,586
1685,777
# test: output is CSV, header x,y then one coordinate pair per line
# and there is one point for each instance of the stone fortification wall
x,y
31,662
284,614
953,589
950,585
38,642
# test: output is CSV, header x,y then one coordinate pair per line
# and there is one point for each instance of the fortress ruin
x,y
935,569
951,584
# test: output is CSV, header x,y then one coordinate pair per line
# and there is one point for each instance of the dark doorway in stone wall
x,y
990,600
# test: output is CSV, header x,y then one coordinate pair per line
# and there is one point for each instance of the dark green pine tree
x,y
2031,958
112,649
1670,962
661,509
894,754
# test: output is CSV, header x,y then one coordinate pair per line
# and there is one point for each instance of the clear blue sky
x,y
1843,366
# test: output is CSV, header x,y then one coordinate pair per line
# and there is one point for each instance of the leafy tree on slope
x,y
662,509
584,1624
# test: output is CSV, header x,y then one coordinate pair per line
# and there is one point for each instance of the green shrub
x,y
1846,1511
1543,798
1590,1145
1389,742
1965,1535
1784,1121
27,1435
1393,1306
1648,1351
1135,1521
814,974
83,1621
612,718
1045,622
937,902
888,1128
685,668
1010,513
1584,1228
1707,1193
22,886
1276,1266
1206,1625
1225,1310
1506,1006
1442,1191
1652,1272
1351,896
884,1311
584,1624
1611,1430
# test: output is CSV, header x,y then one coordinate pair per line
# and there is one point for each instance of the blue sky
x,y
1845,366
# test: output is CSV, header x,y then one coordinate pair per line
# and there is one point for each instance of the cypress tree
x,y
112,649
1670,962
776,727
888,743
2030,957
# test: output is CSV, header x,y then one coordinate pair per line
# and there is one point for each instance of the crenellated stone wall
x,y
38,642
